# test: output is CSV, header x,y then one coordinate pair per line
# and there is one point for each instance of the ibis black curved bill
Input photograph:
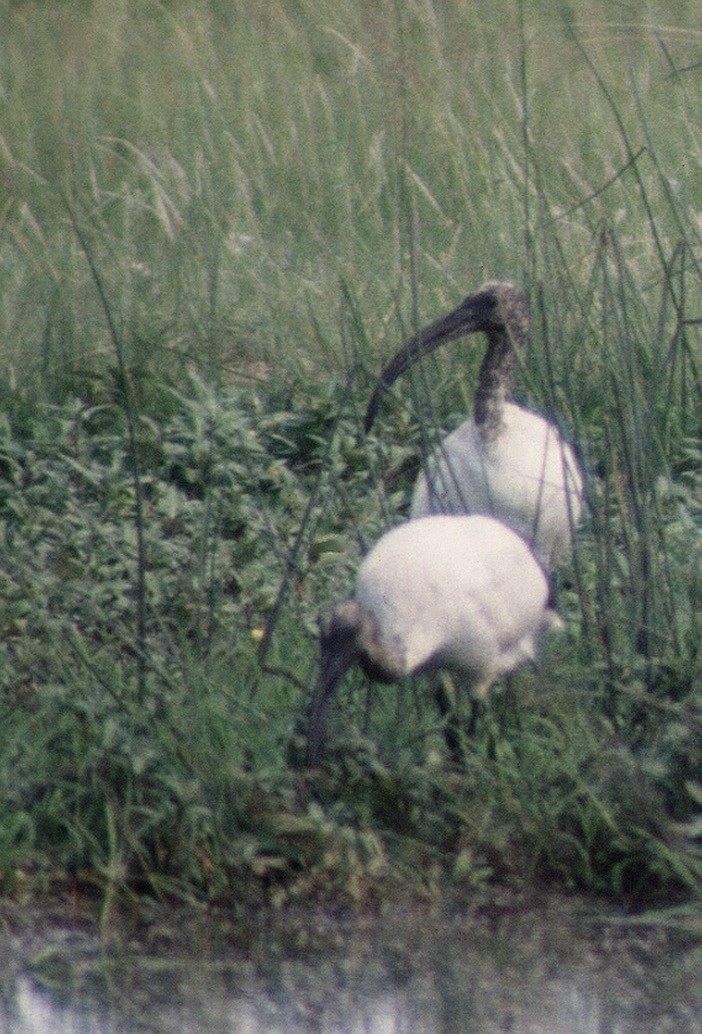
x,y
475,313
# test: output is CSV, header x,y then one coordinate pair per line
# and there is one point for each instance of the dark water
x,y
549,965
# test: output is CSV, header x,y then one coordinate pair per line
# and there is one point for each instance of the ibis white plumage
x,y
504,460
462,593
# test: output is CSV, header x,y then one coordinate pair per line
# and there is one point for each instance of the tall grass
x,y
269,201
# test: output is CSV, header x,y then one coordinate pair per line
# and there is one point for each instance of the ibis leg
x,y
445,694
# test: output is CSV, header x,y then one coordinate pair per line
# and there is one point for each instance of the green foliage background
x,y
216,221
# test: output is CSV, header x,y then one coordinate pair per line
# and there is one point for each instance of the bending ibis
x,y
460,593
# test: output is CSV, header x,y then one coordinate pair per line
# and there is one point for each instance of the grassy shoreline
x,y
270,202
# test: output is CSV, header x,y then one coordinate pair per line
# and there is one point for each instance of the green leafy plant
x,y
259,217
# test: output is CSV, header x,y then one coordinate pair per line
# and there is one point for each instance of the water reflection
x,y
551,967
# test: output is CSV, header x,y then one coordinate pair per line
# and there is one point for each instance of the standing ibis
x,y
504,460
460,593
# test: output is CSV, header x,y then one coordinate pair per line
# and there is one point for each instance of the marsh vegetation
x,y
216,226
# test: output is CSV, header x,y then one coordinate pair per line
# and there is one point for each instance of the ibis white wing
x,y
527,476
465,592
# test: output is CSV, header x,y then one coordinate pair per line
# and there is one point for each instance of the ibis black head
x,y
498,308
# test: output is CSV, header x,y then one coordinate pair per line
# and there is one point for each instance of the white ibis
x,y
504,460
462,593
